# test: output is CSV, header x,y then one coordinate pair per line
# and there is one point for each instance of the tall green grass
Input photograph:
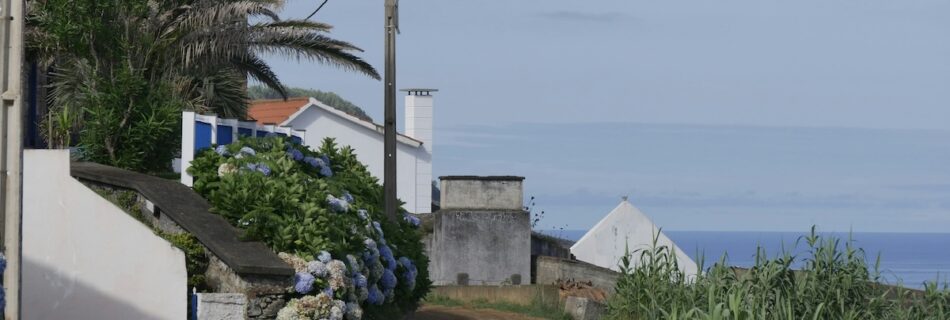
x,y
835,282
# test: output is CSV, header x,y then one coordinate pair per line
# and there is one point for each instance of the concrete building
x,y
625,228
482,234
414,148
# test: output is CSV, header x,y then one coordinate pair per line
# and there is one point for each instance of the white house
x,y
414,148
626,228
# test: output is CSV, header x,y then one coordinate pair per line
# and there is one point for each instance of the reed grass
x,y
835,282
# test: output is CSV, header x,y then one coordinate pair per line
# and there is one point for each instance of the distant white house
x,y
625,228
413,151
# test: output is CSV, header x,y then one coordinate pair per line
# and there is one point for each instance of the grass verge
x,y
535,309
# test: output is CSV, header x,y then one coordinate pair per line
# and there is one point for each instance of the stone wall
x,y
551,269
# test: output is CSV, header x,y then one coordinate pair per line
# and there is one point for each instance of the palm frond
x,y
258,70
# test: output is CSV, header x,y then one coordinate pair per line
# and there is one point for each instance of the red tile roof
x,y
275,111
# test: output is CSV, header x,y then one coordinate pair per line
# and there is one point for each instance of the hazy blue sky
x,y
711,115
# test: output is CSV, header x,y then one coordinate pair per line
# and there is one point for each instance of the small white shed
x,y
625,227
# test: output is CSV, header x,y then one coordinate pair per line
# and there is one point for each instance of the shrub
x,y
323,211
129,124
835,283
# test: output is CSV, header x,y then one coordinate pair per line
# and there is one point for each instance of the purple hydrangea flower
x,y
326,160
388,281
295,154
222,150
375,296
324,257
303,282
347,196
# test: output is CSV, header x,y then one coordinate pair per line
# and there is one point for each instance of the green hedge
x,y
322,210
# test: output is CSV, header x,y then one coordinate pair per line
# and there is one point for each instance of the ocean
x,y
909,259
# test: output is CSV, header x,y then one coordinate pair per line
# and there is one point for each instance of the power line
x,y
318,9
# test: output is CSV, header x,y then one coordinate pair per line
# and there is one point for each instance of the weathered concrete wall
x,y
584,309
85,258
551,269
480,248
221,306
471,192
522,295
544,245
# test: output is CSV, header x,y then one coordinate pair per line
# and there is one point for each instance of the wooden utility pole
x,y
389,153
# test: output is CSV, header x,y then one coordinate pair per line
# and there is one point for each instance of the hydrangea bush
x,y
322,210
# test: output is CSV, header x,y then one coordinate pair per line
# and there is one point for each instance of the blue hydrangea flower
x,y
359,280
295,154
303,282
363,214
248,151
354,264
263,168
405,262
388,281
337,204
378,228
311,161
386,255
222,150
324,257
328,290
347,196
326,171
317,268
412,220
326,160
375,296
251,166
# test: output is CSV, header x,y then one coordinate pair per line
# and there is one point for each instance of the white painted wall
x,y
626,228
419,117
368,146
85,258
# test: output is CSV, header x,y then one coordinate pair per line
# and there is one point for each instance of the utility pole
x,y
389,85
11,148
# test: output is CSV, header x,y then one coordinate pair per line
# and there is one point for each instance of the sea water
x,y
909,259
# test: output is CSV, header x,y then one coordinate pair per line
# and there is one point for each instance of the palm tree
x,y
205,49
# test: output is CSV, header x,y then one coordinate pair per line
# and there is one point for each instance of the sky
x,y
710,115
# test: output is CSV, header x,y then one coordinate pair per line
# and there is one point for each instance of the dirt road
x,y
433,312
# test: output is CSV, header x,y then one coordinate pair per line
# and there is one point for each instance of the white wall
x,y
368,146
626,228
85,258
